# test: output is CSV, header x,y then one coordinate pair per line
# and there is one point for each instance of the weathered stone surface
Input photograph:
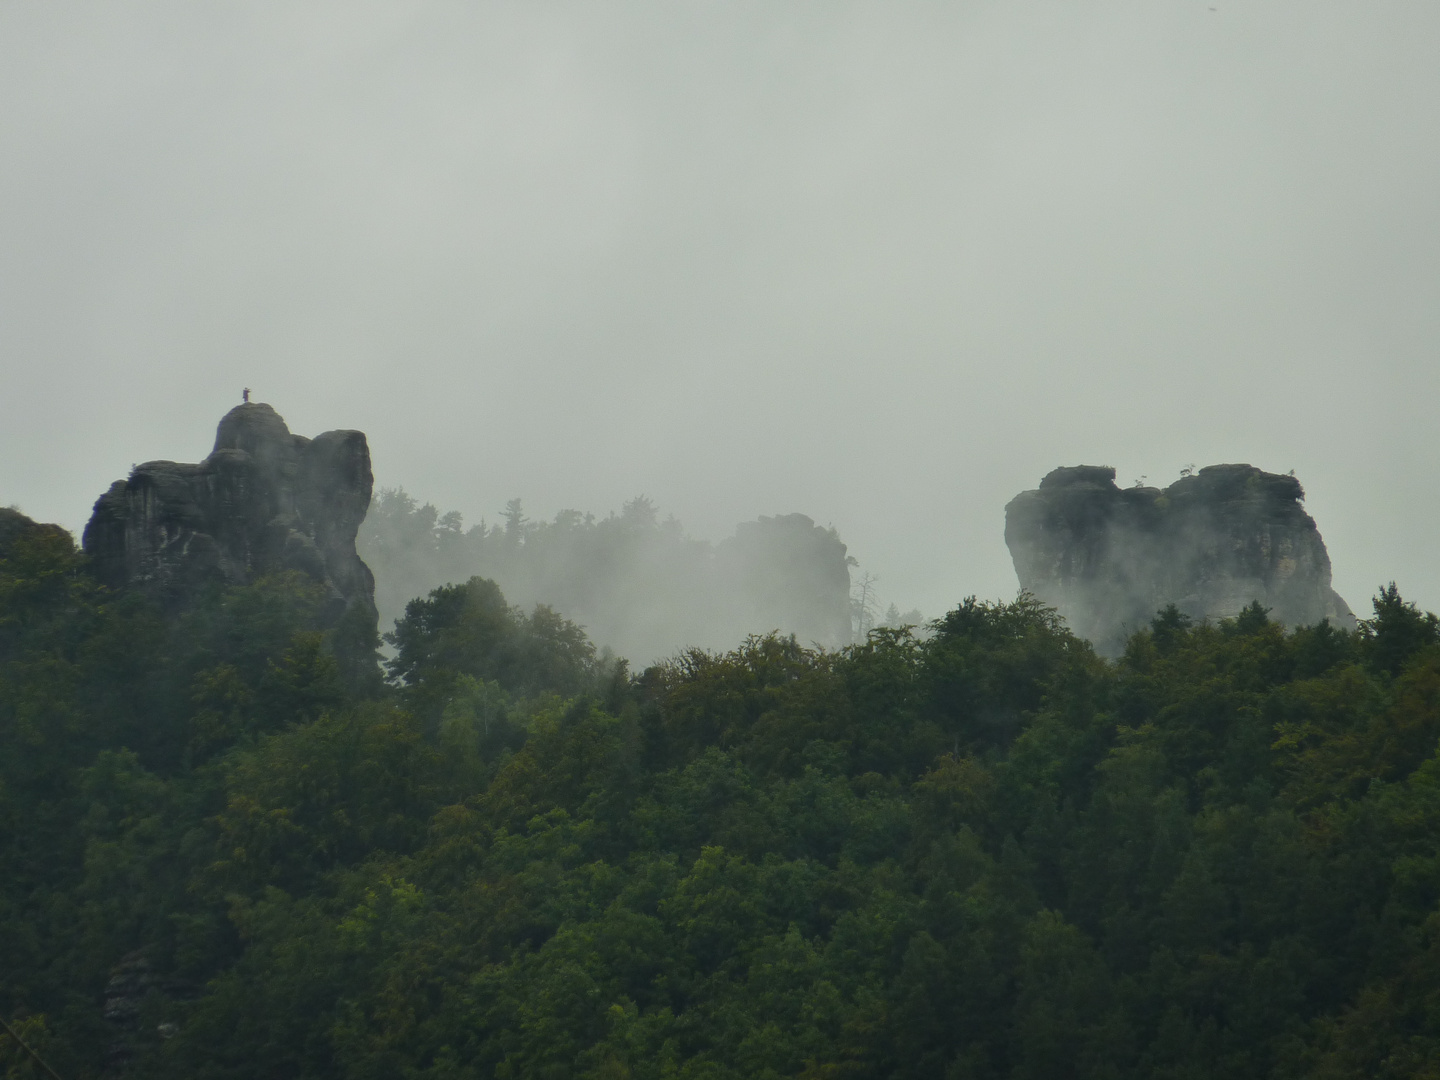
x,y
263,502
1109,558
135,988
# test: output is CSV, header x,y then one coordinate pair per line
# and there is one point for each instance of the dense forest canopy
x,y
638,583
987,853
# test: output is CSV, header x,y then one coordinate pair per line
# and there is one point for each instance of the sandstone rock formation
x,y
263,502
1109,558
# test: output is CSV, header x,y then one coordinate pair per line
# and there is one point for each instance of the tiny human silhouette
x,y
246,395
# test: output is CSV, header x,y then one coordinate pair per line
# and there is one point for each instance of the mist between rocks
x,y
638,584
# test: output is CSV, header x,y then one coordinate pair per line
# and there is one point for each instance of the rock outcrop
x,y
1109,558
263,502
134,990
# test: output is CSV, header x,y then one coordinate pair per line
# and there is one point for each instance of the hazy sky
x,y
883,264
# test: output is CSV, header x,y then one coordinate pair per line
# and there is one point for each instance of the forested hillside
x,y
987,853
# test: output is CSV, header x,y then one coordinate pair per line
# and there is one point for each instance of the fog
x,y
882,265
639,585
1204,549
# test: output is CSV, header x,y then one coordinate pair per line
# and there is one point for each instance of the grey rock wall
x,y
264,501
1108,558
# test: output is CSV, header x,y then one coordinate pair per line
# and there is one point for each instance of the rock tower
x,y
1109,558
263,502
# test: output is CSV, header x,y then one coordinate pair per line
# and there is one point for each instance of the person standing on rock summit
x,y
265,501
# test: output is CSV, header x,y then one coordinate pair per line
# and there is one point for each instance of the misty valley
x,y
298,780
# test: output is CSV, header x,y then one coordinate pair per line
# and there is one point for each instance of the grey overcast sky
x,y
885,264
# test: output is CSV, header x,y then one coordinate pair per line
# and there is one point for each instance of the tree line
x,y
986,852
639,584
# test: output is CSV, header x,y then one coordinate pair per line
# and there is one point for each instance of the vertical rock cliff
x,y
263,502
1109,558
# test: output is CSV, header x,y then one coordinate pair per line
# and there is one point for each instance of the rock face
x,y
263,502
1109,558
133,988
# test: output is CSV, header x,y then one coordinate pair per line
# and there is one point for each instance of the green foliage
x,y
468,631
985,853
1397,631
991,665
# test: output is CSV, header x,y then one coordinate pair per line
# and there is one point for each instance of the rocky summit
x,y
1108,558
264,502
